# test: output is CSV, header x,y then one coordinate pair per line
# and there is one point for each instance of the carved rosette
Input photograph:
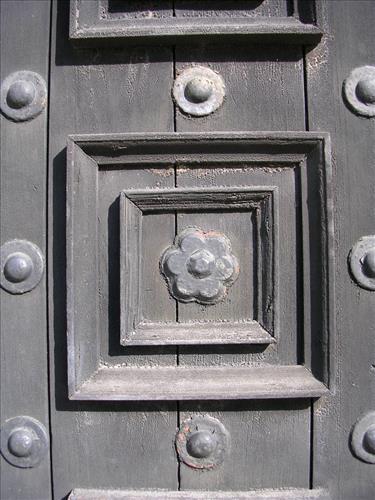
x,y
200,266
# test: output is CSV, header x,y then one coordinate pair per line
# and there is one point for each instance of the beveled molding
x,y
264,494
90,26
306,152
134,330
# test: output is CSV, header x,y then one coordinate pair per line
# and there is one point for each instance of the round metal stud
x,y
22,266
24,441
362,262
363,438
18,267
20,442
359,90
202,442
23,95
199,91
20,94
369,440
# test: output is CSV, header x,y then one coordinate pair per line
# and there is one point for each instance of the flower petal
x,y
225,267
174,262
210,289
186,286
191,240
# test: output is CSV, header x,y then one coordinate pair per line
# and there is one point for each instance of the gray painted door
x,y
188,249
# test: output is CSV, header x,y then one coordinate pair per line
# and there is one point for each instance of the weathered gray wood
x,y
348,44
110,226
92,23
81,255
200,333
292,494
25,29
136,256
288,151
264,91
199,383
263,87
223,8
105,445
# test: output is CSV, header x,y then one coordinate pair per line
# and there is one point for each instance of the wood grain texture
x,y
263,87
348,43
25,28
284,494
264,91
106,445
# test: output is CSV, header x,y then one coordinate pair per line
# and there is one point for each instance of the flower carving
x,y
200,266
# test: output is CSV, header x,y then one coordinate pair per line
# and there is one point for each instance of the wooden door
x,y
187,249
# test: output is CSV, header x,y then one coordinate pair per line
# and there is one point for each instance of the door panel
x,y
207,180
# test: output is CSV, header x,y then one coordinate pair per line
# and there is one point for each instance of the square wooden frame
x,y
87,27
88,377
133,203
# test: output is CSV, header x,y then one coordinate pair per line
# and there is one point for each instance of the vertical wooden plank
x,y
348,43
104,445
264,91
264,87
158,232
25,30
269,446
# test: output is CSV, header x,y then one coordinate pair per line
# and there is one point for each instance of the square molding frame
x,y
135,331
90,26
309,153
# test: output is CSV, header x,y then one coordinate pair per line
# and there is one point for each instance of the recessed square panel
x,y
202,265
184,239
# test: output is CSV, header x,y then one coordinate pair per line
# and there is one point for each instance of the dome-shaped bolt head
x,y
201,444
21,266
201,263
365,90
198,90
362,439
20,94
359,91
23,95
20,442
18,267
369,440
368,263
362,262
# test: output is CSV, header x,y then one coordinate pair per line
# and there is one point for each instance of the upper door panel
x,y
101,22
